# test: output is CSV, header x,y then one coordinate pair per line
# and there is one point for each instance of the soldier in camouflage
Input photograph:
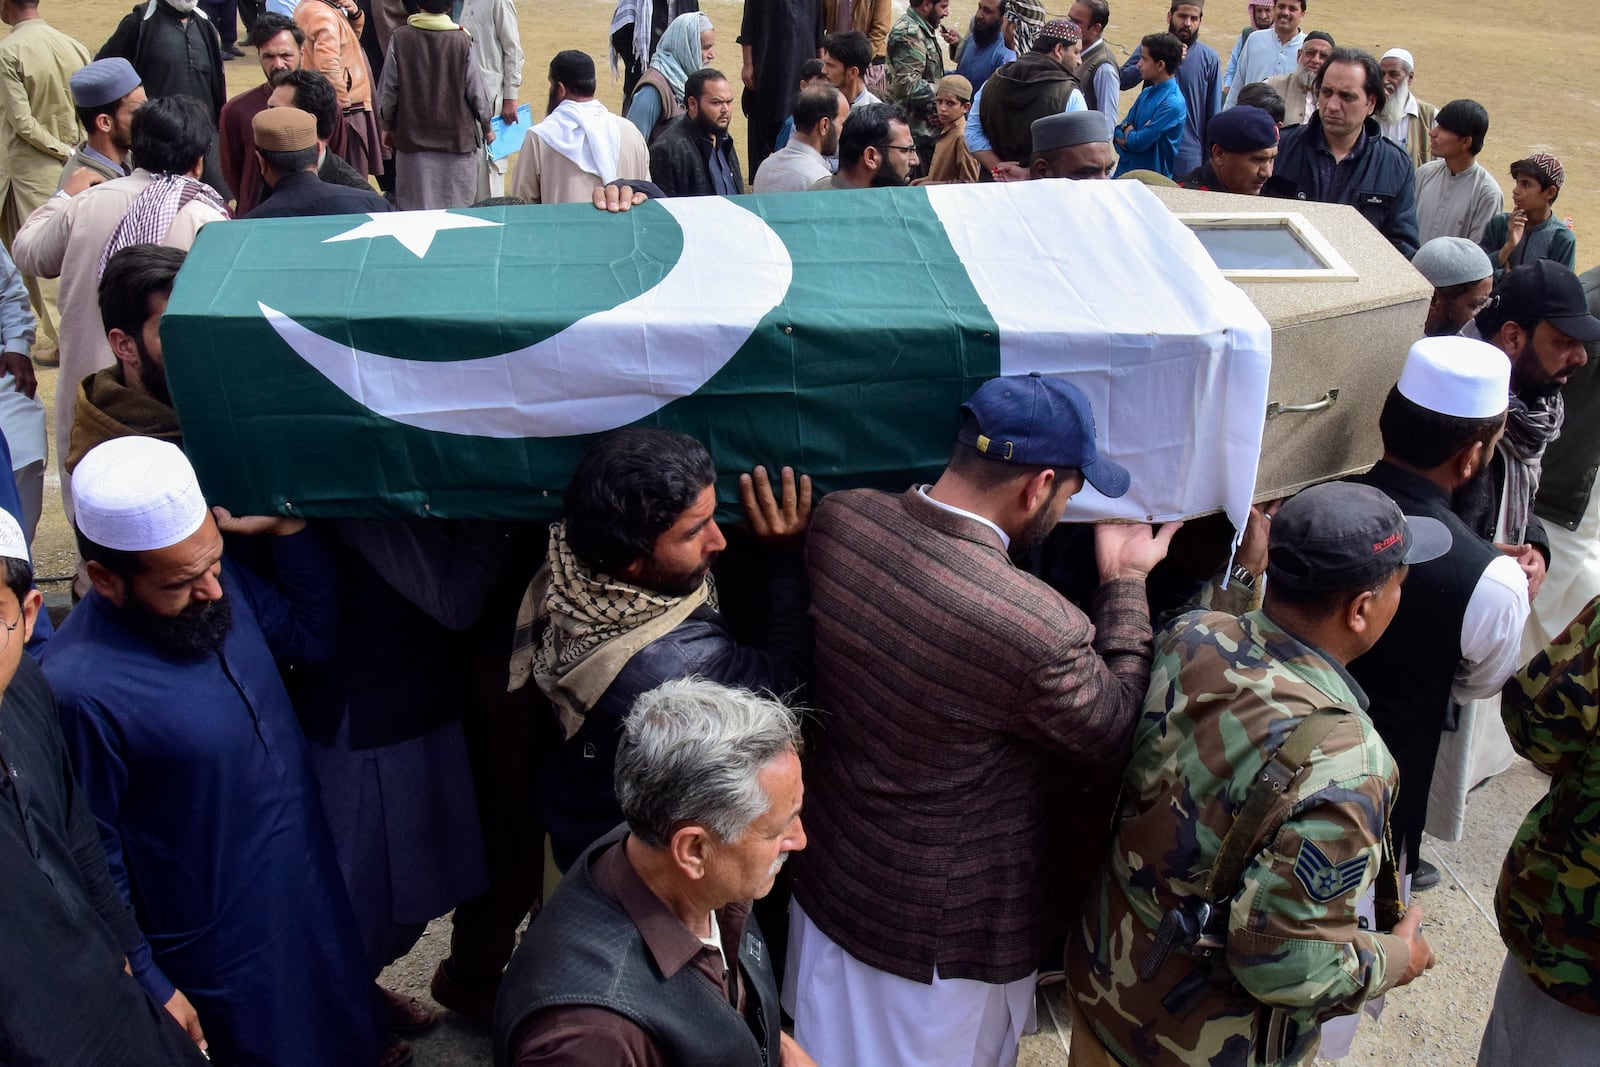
x,y
1547,1005
1286,950
915,67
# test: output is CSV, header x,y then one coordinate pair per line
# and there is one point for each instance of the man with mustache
x,y
130,397
1404,118
1299,87
984,50
1260,12
875,150
187,748
958,693
277,41
625,602
649,954
1272,50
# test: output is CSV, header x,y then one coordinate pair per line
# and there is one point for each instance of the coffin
x,y
457,363
1338,340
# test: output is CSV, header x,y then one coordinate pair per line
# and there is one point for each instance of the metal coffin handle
x,y
1322,403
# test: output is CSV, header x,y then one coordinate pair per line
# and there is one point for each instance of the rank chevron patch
x,y
1323,878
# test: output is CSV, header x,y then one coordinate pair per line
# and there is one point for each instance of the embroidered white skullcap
x,y
13,545
1454,376
1402,55
136,494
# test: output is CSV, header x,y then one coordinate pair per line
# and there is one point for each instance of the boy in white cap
x,y
1456,635
184,740
67,997
1462,278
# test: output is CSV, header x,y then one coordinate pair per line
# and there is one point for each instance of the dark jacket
x,y
585,949
335,171
1203,178
1409,673
1572,460
303,194
1030,87
680,160
576,795
166,70
1382,184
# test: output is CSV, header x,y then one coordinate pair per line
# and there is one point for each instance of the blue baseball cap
x,y
1040,421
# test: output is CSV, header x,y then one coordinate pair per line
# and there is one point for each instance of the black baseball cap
x,y
1040,421
1546,291
1342,535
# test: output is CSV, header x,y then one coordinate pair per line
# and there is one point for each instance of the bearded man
x,y
1404,118
277,41
1298,88
183,737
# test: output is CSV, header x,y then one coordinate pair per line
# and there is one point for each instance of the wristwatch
x,y
1239,573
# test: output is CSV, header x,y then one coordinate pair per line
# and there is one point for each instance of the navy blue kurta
x,y
197,774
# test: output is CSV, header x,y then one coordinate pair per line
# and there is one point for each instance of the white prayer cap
x,y
1454,376
1402,55
12,544
136,494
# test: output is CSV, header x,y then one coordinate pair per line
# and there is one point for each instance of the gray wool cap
x,y
1447,261
102,82
1068,131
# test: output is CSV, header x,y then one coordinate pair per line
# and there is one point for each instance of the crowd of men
x,y
261,754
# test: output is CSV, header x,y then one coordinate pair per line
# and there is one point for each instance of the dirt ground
x,y
1535,103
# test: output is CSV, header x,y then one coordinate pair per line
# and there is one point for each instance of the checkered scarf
x,y
1529,429
577,628
1027,17
152,212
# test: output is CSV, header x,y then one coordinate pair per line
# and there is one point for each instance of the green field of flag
x,y
457,363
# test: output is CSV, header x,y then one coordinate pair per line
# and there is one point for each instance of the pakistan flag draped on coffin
x,y
457,363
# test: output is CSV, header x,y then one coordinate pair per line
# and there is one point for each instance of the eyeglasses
x,y
907,148
9,629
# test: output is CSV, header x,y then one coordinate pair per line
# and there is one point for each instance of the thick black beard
x,y
984,36
152,375
199,630
886,177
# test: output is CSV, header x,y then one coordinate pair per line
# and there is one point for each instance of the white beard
x,y
182,7
1394,107
1305,80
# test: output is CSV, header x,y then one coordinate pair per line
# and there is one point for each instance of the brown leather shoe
x,y
407,1015
475,1004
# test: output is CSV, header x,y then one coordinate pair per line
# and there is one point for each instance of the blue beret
x,y
1242,129
103,82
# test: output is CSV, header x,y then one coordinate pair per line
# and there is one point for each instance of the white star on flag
x,y
414,229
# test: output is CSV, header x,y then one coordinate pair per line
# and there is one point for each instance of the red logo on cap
x,y
1388,542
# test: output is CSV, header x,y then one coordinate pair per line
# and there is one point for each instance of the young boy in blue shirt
x,y
1149,139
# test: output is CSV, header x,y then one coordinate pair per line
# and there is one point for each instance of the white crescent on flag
x,y
606,370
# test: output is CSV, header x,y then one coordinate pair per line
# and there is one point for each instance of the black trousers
x,y
224,15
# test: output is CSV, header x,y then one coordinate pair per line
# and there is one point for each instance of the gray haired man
x,y
648,953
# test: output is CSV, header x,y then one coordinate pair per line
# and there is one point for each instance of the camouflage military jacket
x,y
915,67
1546,898
1225,692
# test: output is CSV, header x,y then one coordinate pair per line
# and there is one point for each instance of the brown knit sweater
x,y
439,101
956,694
